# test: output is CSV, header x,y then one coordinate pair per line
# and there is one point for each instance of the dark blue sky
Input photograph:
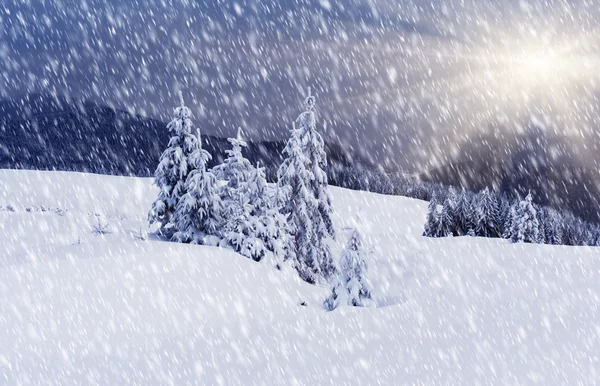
x,y
403,80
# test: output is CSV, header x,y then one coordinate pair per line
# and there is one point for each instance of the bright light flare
x,y
524,73
542,69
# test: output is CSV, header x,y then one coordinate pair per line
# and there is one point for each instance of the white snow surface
x,y
81,308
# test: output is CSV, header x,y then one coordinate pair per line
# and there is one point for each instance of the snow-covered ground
x,y
76,307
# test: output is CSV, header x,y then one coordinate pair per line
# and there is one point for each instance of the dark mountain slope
x,y
45,132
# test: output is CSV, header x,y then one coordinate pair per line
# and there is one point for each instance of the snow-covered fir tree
x,y
553,227
487,214
308,205
510,221
199,213
256,228
503,215
352,286
466,213
434,226
525,224
235,169
175,164
449,216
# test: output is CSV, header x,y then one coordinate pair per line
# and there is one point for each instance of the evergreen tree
x,y
198,215
308,205
542,213
448,218
487,215
554,228
525,226
257,229
175,164
510,221
433,223
504,216
235,169
595,238
351,287
466,214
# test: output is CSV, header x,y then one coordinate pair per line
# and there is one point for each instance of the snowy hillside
x,y
82,308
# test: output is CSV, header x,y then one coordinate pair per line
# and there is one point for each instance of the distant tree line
x,y
496,215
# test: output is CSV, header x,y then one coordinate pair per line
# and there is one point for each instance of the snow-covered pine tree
x,y
308,205
431,221
198,215
466,213
525,225
487,215
257,229
503,215
235,169
595,241
510,220
434,226
554,227
175,164
351,287
448,215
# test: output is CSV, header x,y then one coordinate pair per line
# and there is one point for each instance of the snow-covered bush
x,y
141,235
101,226
308,205
351,287
175,165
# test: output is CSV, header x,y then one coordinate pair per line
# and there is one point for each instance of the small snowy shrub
x,y
101,226
142,235
351,286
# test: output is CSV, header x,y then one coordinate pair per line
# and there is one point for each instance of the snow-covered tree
x,y
510,221
236,168
235,171
555,227
487,214
198,216
466,214
434,226
175,164
257,229
308,205
449,217
503,215
525,224
351,287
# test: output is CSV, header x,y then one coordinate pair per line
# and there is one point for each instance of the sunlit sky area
x,y
410,81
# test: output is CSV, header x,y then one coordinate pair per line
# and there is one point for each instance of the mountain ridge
x,y
41,131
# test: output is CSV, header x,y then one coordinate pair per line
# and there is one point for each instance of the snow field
x,y
81,308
